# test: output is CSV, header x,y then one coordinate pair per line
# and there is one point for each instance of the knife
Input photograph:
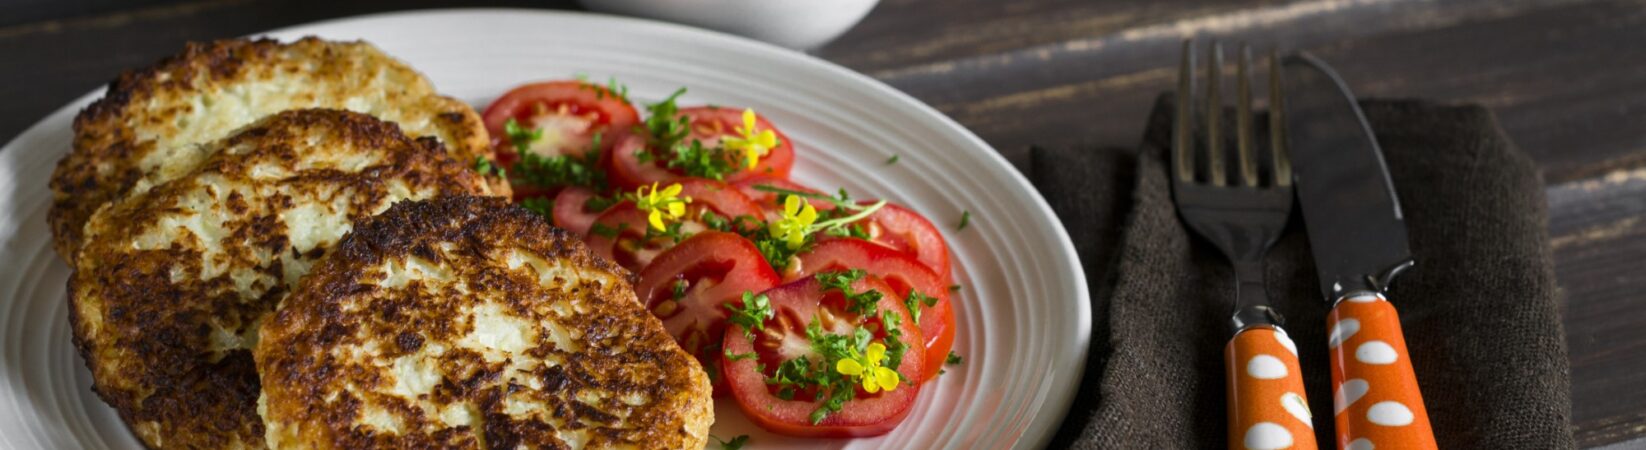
x,y
1358,236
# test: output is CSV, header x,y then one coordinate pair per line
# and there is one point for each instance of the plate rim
x,y
1059,398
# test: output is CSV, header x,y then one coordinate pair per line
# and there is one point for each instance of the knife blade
x,y
1352,214
1358,237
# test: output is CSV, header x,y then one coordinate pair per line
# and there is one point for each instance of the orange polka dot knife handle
x,y
1267,406
1374,391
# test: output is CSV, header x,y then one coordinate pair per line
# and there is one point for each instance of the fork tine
x,y
1277,124
1214,115
1243,117
1183,122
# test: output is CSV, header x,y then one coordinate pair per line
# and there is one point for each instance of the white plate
x,y
1023,315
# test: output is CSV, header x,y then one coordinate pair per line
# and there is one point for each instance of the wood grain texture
x,y
1567,79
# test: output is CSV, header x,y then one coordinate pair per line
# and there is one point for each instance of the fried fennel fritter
x,y
466,322
172,282
152,123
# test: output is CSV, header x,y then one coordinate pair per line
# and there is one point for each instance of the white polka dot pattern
x,y
1265,392
1265,367
1376,352
1389,414
1286,341
1348,393
1298,407
1268,436
1375,395
1342,331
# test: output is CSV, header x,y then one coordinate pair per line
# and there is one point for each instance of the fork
x,y
1242,216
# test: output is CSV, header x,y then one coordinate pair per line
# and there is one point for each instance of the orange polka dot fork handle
x,y
1374,391
1267,406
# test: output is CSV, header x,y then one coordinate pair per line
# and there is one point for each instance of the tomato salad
x,y
820,314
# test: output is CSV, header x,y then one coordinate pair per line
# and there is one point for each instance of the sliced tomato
x,y
571,210
568,113
907,231
771,201
784,337
686,286
620,233
708,125
903,273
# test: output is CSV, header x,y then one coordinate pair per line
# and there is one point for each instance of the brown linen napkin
x,y
1479,309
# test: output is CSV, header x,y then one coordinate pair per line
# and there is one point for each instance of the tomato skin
x,y
902,273
629,222
868,415
720,267
709,125
593,106
569,212
902,229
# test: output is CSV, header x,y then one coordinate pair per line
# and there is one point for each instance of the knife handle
x,y
1267,407
1374,391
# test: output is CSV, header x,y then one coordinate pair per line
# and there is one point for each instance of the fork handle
x,y
1375,395
1267,405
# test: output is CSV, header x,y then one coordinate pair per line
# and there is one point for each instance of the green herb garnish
x,y
915,301
539,205
752,315
735,443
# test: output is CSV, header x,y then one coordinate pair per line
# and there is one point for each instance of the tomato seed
x,y
665,309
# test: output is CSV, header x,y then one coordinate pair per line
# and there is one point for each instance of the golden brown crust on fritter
x,y
171,283
150,124
466,322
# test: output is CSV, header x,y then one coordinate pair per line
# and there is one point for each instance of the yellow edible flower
x,y
796,222
663,204
751,142
867,366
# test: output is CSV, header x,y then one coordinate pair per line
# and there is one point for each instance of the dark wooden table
x,y
1567,79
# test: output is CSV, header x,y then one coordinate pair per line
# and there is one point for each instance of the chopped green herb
x,y
965,218
600,202
777,253
671,232
841,279
612,88
735,443
539,205
895,347
752,315
603,230
715,221
953,359
954,288
739,356
849,231
915,300
707,162
664,125
862,303
563,170
680,288
891,160
486,167
521,137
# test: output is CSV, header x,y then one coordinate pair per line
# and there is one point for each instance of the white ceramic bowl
x,y
798,24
